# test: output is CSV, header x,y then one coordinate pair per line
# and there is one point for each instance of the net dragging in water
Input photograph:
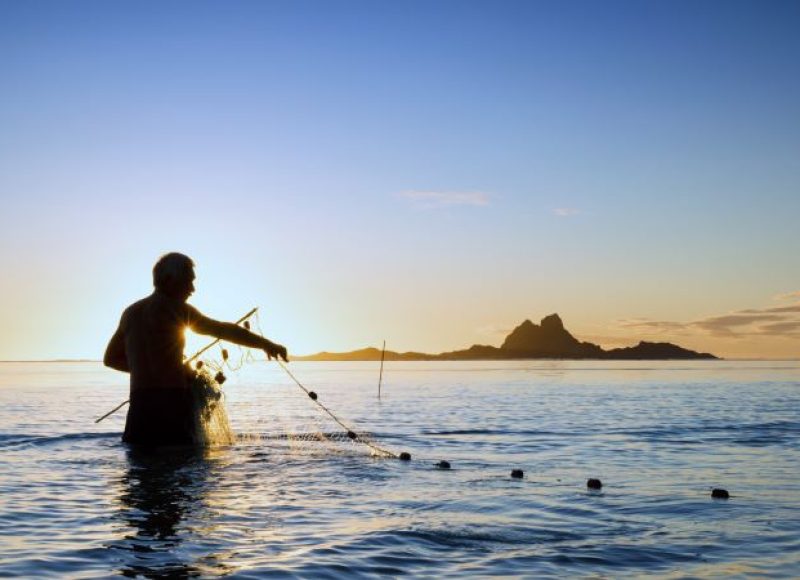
x,y
304,430
338,432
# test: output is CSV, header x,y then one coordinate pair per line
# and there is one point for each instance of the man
x,y
149,345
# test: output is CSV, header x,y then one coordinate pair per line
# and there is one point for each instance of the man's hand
x,y
274,350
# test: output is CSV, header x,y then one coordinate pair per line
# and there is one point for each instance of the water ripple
x,y
75,502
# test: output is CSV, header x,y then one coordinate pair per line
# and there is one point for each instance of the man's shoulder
x,y
141,303
160,305
138,306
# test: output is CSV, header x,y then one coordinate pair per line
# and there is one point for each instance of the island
x,y
546,340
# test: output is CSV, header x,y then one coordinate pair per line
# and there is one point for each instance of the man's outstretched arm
x,y
238,335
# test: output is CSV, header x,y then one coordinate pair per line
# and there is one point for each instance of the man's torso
x,y
154,340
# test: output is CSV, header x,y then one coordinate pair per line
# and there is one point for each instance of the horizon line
x,y
738,359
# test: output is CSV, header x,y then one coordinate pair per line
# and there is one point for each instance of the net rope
x,y
324,431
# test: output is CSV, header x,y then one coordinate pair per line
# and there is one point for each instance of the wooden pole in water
x,y
380,376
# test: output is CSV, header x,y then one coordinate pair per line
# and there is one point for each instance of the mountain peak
x,y
549,338
553,322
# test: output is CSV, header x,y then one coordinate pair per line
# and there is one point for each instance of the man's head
x,y
173,275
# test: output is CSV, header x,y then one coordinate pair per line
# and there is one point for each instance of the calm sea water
x,y
75,502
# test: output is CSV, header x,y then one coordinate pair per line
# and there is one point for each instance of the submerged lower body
x,y
161,417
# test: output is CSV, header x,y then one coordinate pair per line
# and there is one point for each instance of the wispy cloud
x,y
565,211
436,199
791,327
736,324
779,321
783,309
654,326
788,296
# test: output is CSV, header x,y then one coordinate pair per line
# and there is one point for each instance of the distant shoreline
x,y
528,341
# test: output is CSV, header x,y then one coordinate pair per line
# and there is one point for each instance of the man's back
x,y
149,344
153,331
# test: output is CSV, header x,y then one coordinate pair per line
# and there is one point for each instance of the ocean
x,y
287,501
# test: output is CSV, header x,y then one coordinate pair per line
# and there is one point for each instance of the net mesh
x,y
212,427
309,428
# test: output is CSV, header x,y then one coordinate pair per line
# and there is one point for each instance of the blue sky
x,y
427,172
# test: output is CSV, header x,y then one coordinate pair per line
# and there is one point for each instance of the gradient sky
x,y
431,173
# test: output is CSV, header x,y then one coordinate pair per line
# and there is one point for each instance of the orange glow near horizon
x,y
78,327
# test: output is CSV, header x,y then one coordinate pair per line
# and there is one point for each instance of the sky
x,y
426,173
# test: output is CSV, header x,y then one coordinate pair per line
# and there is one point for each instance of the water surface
x,y
74,501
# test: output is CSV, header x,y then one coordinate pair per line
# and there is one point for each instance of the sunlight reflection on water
x,y
75,501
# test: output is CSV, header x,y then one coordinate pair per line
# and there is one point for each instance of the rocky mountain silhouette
x,y
548,339
655,350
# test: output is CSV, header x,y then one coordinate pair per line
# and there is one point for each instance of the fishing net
x,y
211,425
304,425
292,422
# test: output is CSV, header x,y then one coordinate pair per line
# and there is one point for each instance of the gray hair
x,y
170,268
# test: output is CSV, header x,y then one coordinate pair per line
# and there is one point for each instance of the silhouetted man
x,y
149,345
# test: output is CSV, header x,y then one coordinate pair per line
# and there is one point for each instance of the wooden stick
x,y
112,411
380,376
209,345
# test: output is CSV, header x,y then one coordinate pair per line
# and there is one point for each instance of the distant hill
x,y
369,353
655,351
548,339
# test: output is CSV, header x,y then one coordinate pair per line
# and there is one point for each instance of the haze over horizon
x,y
428,174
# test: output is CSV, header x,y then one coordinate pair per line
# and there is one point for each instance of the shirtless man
x,y
149,345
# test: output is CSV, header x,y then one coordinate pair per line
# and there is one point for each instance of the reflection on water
x,y
160,493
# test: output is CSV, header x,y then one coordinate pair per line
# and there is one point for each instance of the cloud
x,y
792,308
734,324
785,327
780,321
656,326
788,296
565,211
437,199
